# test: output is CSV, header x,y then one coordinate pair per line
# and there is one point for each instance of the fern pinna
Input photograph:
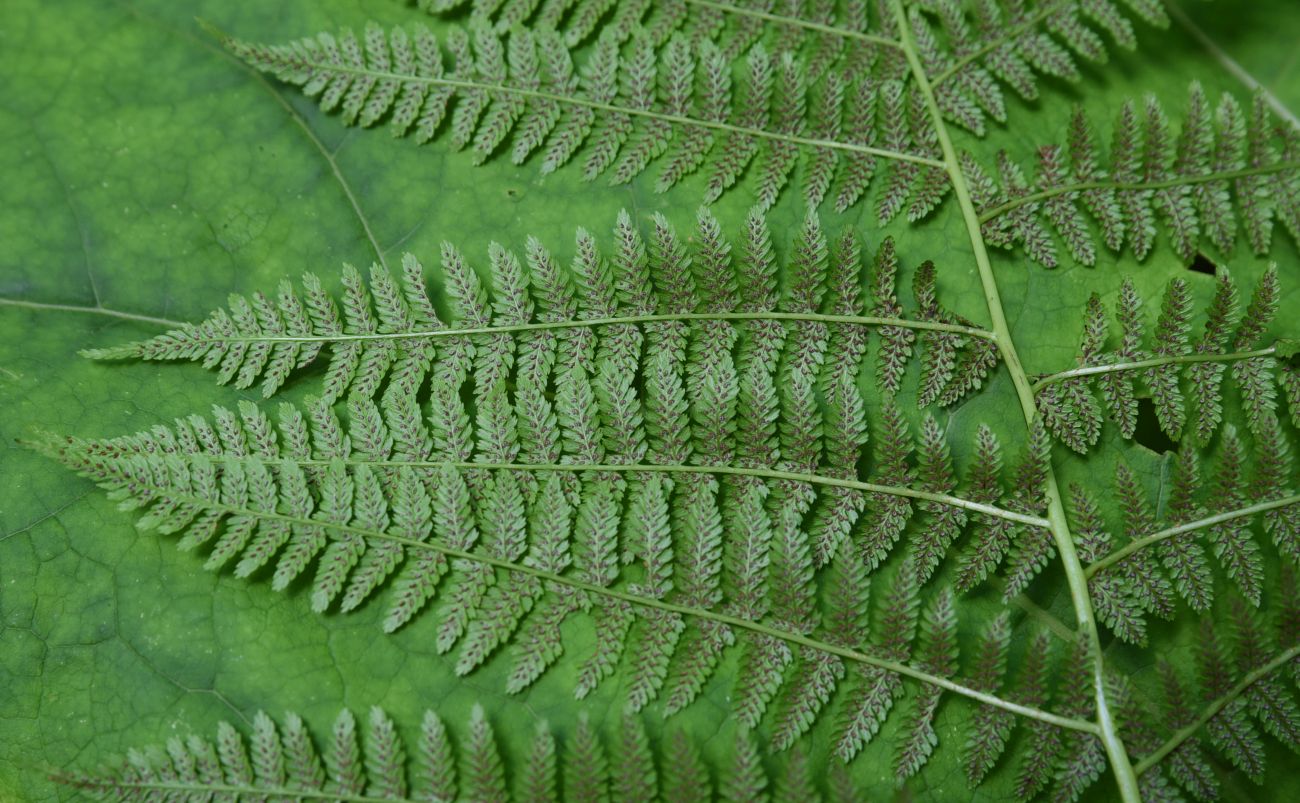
x,y
816,90
730,459
668,441
372,762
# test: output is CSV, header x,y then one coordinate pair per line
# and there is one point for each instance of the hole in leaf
x,y
1202,264
1148,431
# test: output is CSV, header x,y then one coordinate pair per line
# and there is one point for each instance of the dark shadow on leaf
x,y
1202,264
1149,433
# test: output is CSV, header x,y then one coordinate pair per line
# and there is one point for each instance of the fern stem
x,y
860,320
778,19
1108,731
638,468
1209,521
1111,368
1180,181
988,47
96,310
538,94
1211,710
651,602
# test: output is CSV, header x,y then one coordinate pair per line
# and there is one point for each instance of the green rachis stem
x,y
1182,359
1121,766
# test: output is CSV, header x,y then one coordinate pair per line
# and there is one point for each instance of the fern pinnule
x,y
938,653
1222,174
539,781
992,536
991,727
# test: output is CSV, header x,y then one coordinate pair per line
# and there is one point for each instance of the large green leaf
x,y
149,173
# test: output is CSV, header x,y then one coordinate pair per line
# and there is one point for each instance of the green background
x,y
144,172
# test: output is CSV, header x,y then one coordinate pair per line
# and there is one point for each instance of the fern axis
x,y
1120,764
615,108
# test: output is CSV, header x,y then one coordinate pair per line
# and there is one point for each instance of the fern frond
x,y
1068,399
1127,582
636,97
1223,174
282,762
512,550
1241,695
530,318
971,52
822,33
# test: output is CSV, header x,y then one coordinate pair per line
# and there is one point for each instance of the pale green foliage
x,y
284,763
726,456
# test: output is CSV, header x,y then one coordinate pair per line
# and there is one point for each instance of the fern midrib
x,y
584,323
636,468
573,100
1121,766
1212,710
1104,184
1191,526
1180,359
650,602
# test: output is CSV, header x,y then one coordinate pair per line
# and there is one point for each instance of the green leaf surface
x,y
148,174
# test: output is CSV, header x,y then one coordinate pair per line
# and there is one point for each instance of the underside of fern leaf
x,y
834,101
779,469
550,321
1226,172
618,108
370,761
667,441
972,52
1183,376
735,574
664,470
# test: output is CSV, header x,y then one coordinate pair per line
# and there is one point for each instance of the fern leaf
x,y
1067,399
634,98
938,653
634,778
1194,188
507,320
586,773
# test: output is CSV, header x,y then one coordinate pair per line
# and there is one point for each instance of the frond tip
x,y
617,107
590,315
283,762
